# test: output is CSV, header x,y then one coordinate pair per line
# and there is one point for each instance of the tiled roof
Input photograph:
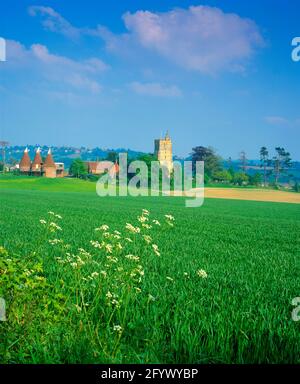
x,y
49,161
36,164
99,167
25,161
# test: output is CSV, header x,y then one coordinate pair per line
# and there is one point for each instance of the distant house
x,y
60,169
38,167
100,167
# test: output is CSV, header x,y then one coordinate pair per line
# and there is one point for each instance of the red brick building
x,y
100,167
38,167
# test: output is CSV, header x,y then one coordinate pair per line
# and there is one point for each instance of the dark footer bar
x,y
127,373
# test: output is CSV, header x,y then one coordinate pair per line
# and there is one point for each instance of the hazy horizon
x,y
119,75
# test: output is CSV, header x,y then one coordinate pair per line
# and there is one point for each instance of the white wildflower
x,y
201,273
112,259
142,219
83,252
78,308
108,248
55,241
170,217
146,226
132,229
156,222
132,257
118,329
115,303
55,227
147,238
103,227
95,244
80,261
155,249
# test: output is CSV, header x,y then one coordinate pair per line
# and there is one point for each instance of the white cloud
x,y
282,121
54,22
200,38
55,68
277,120
155,89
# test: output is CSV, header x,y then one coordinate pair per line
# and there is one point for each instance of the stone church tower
x,y
163,152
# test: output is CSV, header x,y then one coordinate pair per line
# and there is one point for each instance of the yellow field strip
x,y
247,194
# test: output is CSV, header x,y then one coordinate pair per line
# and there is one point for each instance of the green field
x,y
157,309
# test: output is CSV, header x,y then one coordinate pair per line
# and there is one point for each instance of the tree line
x,y
268,173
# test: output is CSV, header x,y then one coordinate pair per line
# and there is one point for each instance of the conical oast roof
x,y
36,164
49,162
25,161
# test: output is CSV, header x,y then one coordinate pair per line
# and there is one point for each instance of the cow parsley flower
x,y
201,273
132,229
156,222
54,227
147,238
118,329
155,249
170,217
142,219
95,244
132,257
103,227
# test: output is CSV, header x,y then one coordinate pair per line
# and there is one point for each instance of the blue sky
x,y
120,73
